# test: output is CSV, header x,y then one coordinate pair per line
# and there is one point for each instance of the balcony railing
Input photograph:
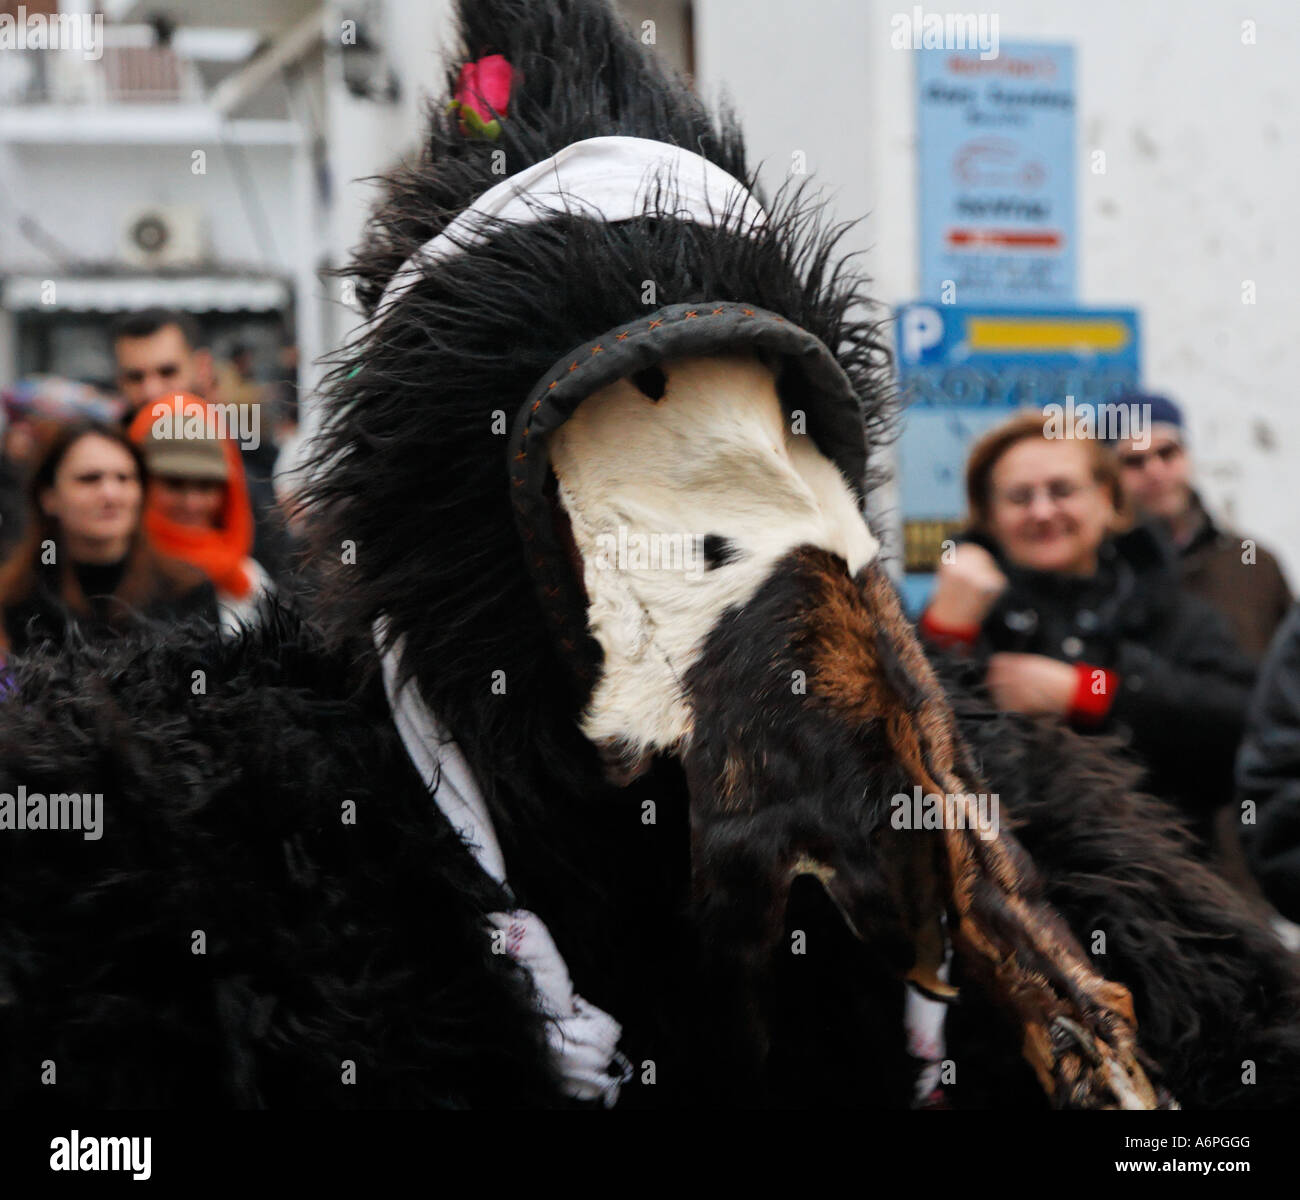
x,y
120,75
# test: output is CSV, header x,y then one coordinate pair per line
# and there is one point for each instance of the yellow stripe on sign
x,y
1104,335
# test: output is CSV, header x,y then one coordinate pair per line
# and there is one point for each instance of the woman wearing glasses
x,y
1069,609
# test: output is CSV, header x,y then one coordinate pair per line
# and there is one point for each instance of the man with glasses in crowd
x,y
1231,573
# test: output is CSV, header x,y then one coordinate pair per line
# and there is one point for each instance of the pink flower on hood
x,y
483,86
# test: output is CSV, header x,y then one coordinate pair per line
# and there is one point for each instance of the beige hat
x,y
185,458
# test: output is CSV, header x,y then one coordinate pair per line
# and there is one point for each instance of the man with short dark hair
x,y
1233,574
159,352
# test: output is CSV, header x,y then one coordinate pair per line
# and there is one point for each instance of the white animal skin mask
x,y
644,482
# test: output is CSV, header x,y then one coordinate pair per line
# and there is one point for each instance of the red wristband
x,y
1094,693
959,637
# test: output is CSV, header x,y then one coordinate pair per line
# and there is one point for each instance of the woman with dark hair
x,y
1071,610
83,561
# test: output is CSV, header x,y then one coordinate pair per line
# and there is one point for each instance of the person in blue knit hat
x,y
1231,572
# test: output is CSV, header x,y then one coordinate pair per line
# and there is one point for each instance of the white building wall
x,y
365,139
368,138
82,196
1200,192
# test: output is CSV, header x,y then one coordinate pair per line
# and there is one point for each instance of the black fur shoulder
x,y
272,894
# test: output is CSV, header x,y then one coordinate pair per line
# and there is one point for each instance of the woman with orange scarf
x,y
197,508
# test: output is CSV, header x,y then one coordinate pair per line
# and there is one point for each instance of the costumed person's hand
x,y
1031,683
966,588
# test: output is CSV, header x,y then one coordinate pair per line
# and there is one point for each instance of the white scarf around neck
x,y
583,1039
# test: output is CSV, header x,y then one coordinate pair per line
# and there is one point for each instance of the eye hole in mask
x,y
719,551
652,382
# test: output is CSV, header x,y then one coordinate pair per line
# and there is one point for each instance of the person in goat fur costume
x,y
277,912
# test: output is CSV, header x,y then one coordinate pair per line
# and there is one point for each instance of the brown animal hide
x,y
793,779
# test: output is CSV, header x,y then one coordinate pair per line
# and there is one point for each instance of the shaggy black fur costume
x,y
1214,995
234,921
237,938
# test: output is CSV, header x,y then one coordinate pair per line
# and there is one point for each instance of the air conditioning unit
x,y
163,235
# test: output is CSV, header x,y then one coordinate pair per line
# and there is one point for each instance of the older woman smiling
x,y
1072,611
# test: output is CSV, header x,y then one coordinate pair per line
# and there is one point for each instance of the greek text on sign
x,y
997,175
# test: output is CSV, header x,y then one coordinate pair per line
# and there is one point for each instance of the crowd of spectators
x,y
155,500
1093,586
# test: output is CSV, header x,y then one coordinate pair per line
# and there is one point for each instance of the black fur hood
x,y
414,502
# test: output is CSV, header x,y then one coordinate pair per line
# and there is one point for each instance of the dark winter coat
x,y
1268,772
1247,588
1183,685
106,600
